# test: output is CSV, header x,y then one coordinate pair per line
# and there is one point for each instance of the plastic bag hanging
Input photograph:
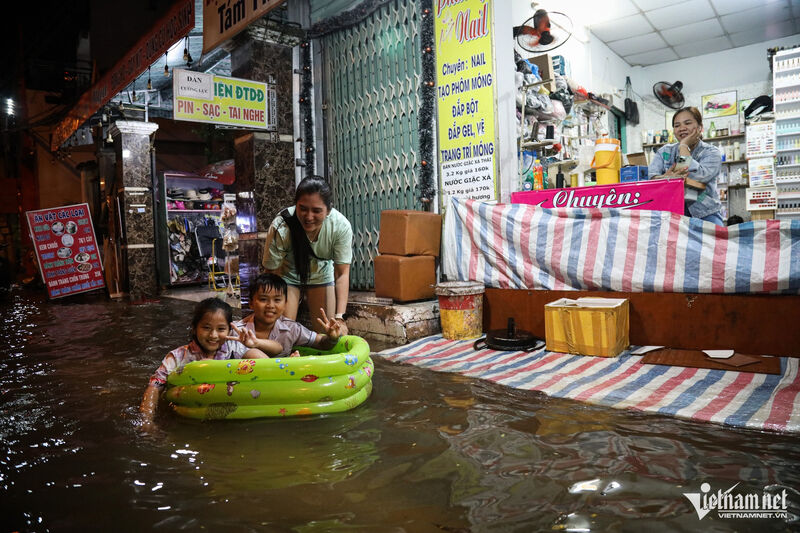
x,y
631,108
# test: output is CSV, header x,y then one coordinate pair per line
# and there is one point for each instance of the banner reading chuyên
x,y
658,195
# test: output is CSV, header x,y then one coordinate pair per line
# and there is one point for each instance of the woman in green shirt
x,y
310,245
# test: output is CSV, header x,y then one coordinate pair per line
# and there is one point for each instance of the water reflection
x,y
427,452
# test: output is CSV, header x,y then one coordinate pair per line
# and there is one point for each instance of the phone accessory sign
x,y
200,97
66,249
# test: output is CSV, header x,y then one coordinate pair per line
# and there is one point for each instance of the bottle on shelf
x,y
712,130
538,176
737,154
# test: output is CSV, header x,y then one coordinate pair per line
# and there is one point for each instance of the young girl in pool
x,y
210,340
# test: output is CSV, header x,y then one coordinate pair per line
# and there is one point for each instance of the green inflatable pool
x,y
319,382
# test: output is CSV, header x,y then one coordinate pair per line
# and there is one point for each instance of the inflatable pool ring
x,y
319,382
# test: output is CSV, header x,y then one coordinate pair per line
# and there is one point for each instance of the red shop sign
x,y
66,249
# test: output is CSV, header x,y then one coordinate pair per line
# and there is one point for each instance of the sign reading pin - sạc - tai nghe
x,y
200,97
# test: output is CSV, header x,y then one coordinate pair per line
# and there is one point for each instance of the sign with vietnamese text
x,y
222,19
656,195
175,25
66,249
200,97
465,96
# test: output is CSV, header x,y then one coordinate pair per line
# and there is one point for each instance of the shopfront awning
x,y
172,27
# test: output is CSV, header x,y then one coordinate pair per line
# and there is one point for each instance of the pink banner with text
x,y
656,195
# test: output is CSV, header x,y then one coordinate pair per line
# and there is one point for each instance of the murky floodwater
x,y
427,452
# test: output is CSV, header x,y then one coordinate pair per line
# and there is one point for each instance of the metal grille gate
x,y
372,76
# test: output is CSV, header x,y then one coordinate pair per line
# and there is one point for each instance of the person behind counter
x,y
310,245
696,162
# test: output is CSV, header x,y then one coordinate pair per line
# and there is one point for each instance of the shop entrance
x,y
372,73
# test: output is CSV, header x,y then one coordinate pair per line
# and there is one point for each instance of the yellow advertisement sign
x,y
200,97
465,96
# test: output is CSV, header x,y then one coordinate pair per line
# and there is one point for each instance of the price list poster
x,y
465,97
66,249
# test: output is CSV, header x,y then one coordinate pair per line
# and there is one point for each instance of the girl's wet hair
x,y
210,305
301,247
268,282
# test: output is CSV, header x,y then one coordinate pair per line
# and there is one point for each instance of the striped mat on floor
x,y
742,399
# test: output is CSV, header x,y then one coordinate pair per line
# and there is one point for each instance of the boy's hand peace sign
x,y
333,328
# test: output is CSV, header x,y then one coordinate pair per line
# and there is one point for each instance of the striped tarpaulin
x,y
741,399
519,246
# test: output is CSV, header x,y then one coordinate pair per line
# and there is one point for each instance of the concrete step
x,y
390,323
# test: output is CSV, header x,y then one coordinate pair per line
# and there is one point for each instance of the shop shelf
x,y
787,150
780,84
787,134
785,70
792,116
653,145
793,213
780,55
536,144
781,167
725,137
785,102
779,181
194,210
738,161
788,195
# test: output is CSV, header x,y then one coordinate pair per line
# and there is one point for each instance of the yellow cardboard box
x,y
587,326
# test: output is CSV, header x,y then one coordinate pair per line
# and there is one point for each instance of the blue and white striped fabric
x,y
741,399
519,246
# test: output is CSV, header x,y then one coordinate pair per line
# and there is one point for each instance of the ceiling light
x,y
149,83
166,66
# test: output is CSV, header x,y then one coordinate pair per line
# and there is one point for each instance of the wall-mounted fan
x,y
543,31
669,94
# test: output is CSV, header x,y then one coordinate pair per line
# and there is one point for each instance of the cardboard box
x,y
633,173
546,70
587,326
405,278
405,232
637,158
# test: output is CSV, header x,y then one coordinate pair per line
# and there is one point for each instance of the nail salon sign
x,y
657,195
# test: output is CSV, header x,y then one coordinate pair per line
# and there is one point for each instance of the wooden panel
x,y
753,324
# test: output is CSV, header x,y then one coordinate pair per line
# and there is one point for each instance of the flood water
x,y
428,452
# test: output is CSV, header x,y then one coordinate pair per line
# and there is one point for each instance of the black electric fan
x,y
543,31
669,94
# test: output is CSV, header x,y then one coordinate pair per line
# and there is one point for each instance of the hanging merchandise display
x,y
785,131
631,109
191,234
